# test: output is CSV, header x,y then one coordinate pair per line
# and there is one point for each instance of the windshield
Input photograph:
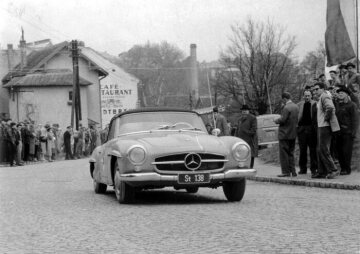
x,y
160,121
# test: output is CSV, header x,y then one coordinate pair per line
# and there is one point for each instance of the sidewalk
x,y
269,172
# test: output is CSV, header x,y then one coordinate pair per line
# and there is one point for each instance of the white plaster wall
x,y
64,61
50,105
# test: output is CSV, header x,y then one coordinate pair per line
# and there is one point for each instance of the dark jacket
x,y
347,116
247,127
288,121
312,115
67,138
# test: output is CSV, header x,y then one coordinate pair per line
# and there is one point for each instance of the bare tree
x,y
314,61
158,66
261,53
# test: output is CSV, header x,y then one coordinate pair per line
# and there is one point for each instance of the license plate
x,y
194,178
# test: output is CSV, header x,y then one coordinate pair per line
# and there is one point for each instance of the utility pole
x,y
76,101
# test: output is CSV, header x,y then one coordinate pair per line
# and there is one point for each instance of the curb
x,y
308,183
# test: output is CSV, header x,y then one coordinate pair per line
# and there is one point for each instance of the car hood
x,y
182,142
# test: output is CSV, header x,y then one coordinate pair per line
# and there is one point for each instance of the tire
x,y
99,188
234,191
125,194
192,189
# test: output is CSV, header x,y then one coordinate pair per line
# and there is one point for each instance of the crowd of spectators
x,y
326,121
27,142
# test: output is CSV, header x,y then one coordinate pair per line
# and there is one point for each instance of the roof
x,y
152,109
36,60
106,65
59,78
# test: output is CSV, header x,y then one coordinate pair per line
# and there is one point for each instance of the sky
x,y
114,26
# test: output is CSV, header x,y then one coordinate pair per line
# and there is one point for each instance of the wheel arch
x,y
114,159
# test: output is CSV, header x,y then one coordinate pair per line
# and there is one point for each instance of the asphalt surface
x,y
51,208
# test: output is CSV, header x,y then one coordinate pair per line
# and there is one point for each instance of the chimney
x,y
10,54
22,50
194,82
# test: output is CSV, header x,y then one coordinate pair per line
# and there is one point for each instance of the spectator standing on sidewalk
x,y
50,144
67,144
246,130
221,123
287,135
11,143
32,140
306,133
347,116
327,124
342,75
322,79
3,148
334,81
353,80
19,144
43,141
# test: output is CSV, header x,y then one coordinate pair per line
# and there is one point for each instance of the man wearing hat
x,y
221,123
247,127
347,116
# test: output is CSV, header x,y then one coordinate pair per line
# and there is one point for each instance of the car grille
x,y
176,162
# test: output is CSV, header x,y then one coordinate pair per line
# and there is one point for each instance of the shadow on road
x,y
160,197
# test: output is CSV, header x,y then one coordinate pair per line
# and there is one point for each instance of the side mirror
x,y
216,132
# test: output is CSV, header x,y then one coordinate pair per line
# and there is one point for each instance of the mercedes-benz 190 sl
x,y
160,147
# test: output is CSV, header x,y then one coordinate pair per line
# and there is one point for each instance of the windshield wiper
x,y
191,129
165,127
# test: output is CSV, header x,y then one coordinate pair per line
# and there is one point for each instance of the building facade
x,y
39,88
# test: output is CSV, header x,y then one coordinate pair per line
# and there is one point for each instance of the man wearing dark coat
x,y
67,144
287,135
247,127
306,133
347,116
11,142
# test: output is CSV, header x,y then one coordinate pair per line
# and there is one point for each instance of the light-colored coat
x,y
326,113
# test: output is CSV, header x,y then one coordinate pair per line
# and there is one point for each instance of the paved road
x,y
51,208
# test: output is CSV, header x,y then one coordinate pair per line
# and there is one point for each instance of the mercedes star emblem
x,y
192,161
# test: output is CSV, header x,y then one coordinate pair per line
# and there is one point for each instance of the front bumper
x,y
230,174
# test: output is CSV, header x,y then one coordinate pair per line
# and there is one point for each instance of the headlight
x,y
136,155
240,151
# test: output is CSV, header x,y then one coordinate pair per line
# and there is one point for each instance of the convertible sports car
x,y
158,147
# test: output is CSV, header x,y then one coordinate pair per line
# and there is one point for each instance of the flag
x,y
340,35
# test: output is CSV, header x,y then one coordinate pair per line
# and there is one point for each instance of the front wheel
x,y
234,191
125,194
99,188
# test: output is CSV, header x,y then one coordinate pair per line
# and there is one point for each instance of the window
x,y
70,95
